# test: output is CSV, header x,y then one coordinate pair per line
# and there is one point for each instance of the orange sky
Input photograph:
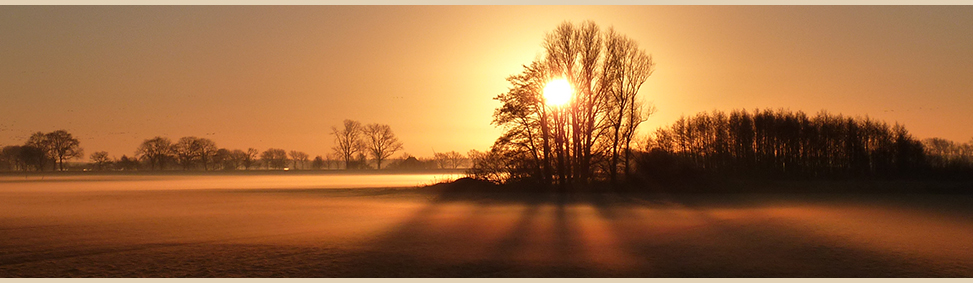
x,y
282,76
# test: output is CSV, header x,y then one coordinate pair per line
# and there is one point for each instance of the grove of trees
x,y
42,151
783,143
588,138
592,136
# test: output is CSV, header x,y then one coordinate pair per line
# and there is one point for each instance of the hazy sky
x,y
282,76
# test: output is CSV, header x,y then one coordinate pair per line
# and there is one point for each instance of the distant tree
x,y
39,141
966,151
304,159
9,158
127,164
348,142
298,157
381,142
63,146
249,158
234,159
156,152
33,157
24,158
101,160
361,161
274,158
192,151
331,159
490,166
940,151
448,160
409,162
440,158
222,159
318,163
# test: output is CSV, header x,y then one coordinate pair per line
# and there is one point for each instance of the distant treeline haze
x,y
357,147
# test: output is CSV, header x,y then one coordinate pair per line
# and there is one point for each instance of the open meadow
x,y
306,226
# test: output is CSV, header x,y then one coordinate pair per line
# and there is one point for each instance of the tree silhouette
x,y
448,160
624,69
25,157
318,163
192,151
591,135
249,157
127,164
348,142
156,151
298,156
39,141
63,146
101,160
274,158
222,160
780,143
8,158
380,142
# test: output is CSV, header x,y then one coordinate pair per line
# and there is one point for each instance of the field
x,y
366,226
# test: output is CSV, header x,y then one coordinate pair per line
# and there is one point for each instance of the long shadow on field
x,y
756,244
476,234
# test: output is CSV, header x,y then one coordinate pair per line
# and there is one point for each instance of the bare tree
x,y
348,142
330,159
193,150
274,158
63,146
127,164
235,159
318,163
156,151
25,157
101,160
448,160
249,158
381,142
298,156
38,141
221,158
8,157
571,143
624,70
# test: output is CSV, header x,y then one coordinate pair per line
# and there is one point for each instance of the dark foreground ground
x,y
407,232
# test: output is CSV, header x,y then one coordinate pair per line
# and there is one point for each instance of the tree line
x,y
357,146
784,144
774,143
42,151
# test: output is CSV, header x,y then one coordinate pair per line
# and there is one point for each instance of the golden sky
x,y
280,77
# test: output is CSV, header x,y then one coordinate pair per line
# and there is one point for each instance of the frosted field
x,y
381,226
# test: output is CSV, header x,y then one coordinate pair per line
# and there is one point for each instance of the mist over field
x,y
216,181
301,226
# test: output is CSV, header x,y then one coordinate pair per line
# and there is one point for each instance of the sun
x,y
557,92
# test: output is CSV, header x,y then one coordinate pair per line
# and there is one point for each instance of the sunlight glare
x,y
557,92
